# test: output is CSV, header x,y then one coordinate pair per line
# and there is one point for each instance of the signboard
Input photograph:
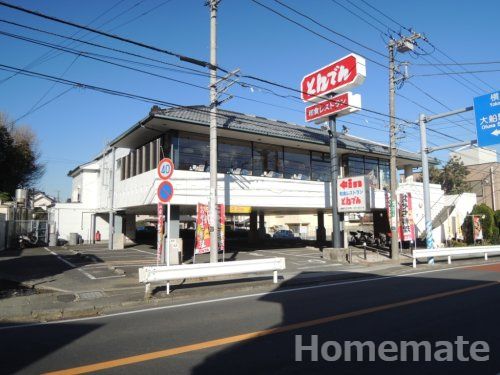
x,y
202,233
487,110
165,168
339,105
240,209
353,194
161,222
165,192
478,230
337,77
406,226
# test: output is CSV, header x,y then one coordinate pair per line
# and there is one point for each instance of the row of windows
x,y
141,160
377,169
251,158
192,152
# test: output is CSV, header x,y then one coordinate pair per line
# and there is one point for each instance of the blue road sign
x,y
487,109
165,192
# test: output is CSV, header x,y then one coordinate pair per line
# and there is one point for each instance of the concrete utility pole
x,y
111,201
334,165
214,230
393,150
424,150
404,44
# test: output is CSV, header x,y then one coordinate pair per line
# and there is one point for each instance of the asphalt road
x,y
257,333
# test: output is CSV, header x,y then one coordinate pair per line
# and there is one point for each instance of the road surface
x,y
257,333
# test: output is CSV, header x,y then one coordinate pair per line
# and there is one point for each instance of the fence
x,y
10,230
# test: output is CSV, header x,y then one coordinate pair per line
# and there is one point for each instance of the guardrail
x,y
450,251
151,274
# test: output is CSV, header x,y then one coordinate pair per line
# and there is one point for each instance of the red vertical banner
x,y
478,230
407,225
202,234
222,226
159,244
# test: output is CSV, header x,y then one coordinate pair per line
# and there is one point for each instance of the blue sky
x,y
74,127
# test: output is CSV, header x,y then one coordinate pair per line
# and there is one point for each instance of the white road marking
x,y
70,264
244,296
318,266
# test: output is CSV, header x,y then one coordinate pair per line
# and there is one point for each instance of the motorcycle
x,y
27,240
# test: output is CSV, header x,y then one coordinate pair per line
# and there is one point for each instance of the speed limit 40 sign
x,y
165,168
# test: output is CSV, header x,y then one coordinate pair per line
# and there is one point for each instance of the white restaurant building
x,y
273,168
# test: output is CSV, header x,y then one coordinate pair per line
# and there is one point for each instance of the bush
x,y
497,218
495,240
487,219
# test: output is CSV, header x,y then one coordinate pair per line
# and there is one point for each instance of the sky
x,y
76,123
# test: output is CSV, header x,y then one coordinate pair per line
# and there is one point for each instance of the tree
x,y
19,157
452,177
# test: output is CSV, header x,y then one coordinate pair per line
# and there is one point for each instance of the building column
x,y
118,236
130,227
321,231
408,171
262,225
253,235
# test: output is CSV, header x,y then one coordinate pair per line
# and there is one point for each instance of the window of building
x,y
355,166
384,174
320,166
267,160
194,152
297,164
234,157
377,169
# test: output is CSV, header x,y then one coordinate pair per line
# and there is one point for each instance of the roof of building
x,y
275,128
250,124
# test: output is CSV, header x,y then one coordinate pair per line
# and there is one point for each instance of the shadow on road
x,y
328,313
21,348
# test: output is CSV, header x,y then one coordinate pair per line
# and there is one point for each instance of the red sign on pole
x,y
161,222
202,234
337,77
406,226
339,105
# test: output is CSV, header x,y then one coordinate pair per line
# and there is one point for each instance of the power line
x,y
44,55
87,55
330,29
361,18
313,32
456,73
114,36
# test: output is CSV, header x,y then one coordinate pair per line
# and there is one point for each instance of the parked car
x,y
284,234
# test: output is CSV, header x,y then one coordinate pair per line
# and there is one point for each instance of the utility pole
x,y
424,150
402,45
214,230
111,202
332,123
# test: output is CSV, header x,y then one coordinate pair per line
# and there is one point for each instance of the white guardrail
x,y
190,271
454,251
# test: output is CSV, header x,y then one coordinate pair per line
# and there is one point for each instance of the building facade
x,y
272,167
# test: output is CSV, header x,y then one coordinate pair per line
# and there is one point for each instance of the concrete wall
x,y
439,201
75,218
192,187
481,176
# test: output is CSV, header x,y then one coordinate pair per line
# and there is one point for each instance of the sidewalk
x,y
64,283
